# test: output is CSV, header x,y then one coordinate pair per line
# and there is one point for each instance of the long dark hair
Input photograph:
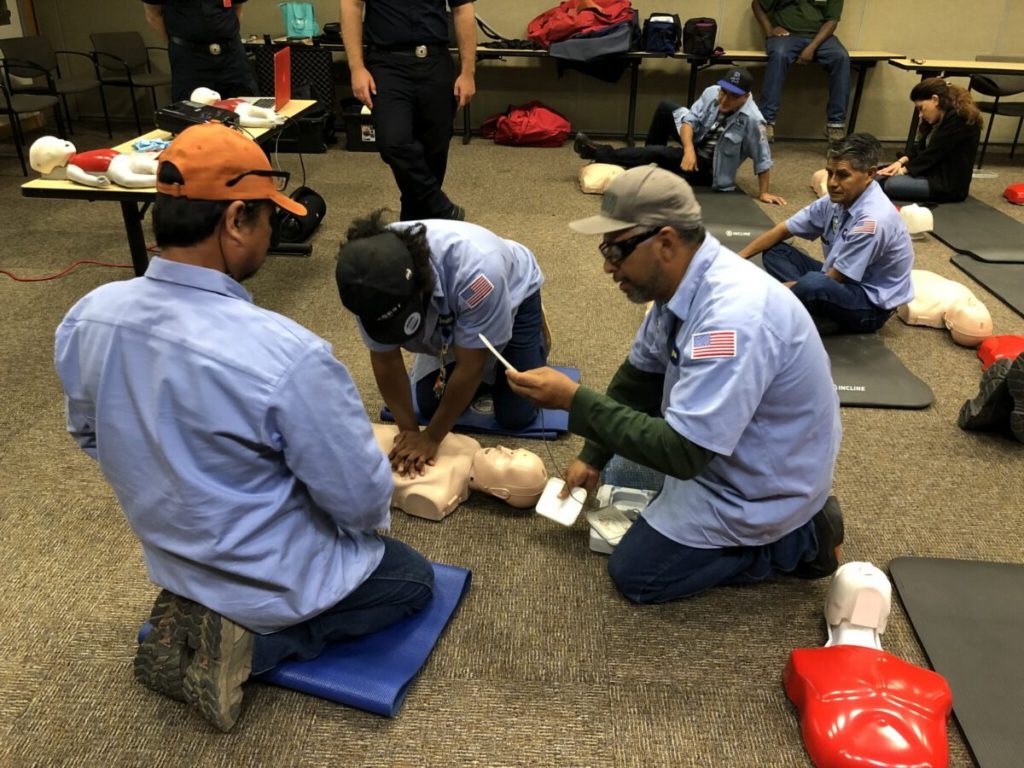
x,y
414,238
951,98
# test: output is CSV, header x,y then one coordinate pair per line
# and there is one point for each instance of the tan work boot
x,y
221,661
163,655
835,134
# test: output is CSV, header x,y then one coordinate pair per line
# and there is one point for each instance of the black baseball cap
x,y
738,81
376,281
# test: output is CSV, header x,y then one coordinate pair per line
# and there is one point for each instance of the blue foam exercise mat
x,y
548,425
374,672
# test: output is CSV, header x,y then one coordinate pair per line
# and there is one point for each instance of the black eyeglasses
x,y
620,250
280,178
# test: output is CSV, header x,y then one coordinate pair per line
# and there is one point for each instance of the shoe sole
x,y
221,662
163,655
992,406
1015,386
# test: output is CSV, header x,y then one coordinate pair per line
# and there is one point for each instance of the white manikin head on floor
x,y
943,303
857,605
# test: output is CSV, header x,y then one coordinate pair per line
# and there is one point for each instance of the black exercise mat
x,y
868,374
735,218
969,618
980,230
1004,281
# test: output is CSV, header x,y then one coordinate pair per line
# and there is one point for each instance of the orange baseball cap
x,y
220,163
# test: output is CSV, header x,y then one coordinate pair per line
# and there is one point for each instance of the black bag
x,y
663,33
298,229
699,36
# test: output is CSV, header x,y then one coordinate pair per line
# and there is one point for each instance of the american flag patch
x,y
714,344
477,291
864,227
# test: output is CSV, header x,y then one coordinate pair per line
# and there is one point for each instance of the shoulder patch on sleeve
x,y
865,227
477,291
713,344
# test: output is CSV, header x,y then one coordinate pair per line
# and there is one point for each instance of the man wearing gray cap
x,y
726,391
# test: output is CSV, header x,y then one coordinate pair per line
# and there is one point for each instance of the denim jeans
x,y
836,307
648,567
401,585
906,187
525,350
783,51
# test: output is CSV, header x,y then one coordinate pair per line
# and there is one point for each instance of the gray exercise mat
x,y
1004,281
969,618
980,230
868,374
735,218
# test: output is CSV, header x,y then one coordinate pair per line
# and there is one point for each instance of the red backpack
x,y
574,16
529,125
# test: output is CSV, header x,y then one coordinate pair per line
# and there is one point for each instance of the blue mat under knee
x,y
374,672
479,417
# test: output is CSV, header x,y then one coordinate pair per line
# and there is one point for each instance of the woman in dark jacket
x,y
938,168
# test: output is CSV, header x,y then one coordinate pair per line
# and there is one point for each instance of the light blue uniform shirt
x,y
744,136
236,443
460,254
869,244
769,410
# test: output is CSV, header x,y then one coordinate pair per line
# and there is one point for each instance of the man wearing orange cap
x,y
236,443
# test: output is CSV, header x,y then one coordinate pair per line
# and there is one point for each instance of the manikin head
x,y
857,606
969,322
517,477
204,95
50,152
917,218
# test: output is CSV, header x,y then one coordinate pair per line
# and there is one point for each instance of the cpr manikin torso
x,y
860,705
943,303
58,159
515,476
249,115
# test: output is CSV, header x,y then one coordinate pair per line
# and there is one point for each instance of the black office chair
x,y
37,51
999,86
123,60
14,105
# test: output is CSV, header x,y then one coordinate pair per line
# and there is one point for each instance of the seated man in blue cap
x,y
722,129
433,288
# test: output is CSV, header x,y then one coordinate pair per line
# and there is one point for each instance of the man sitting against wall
x,y
722,129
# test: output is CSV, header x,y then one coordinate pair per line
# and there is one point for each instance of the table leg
x,y
136,239
634,77
862,68
691,90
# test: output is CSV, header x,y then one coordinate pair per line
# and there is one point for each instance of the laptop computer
x,y
282,83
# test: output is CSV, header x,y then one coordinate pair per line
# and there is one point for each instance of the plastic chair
x,y
999,86
122,60
37,52
13,105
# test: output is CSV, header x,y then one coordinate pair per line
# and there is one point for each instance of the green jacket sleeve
x,y
635,431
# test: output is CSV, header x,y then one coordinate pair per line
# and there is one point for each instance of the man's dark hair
x,y
414,238
181,223
861,150
691,235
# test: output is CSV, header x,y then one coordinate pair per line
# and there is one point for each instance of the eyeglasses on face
x,y
620,250
280,178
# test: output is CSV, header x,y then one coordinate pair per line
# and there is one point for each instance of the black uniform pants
x,y
412,117
227,73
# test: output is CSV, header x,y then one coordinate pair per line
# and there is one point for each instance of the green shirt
x,y
802,17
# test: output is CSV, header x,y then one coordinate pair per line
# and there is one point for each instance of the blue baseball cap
x,y
737,81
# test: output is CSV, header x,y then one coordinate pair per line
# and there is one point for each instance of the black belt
x,y
215,48
419,51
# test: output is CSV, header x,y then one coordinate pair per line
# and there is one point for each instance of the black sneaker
x,y
583,146
991,408
162,657
828,528
455,213
1015,386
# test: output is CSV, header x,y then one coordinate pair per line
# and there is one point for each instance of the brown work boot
x,y
221,661
835,134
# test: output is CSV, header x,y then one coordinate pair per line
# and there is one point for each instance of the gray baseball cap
x,y
643,197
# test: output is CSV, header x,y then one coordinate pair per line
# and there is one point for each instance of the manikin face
x,y
846,183
49,152
861,595
516,476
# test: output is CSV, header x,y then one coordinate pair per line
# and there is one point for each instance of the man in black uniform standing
x,y
406,76
204,44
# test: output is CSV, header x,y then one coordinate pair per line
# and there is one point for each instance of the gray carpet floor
x,y
544,664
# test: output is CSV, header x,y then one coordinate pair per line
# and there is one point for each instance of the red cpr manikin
x,y
1015,194
860,706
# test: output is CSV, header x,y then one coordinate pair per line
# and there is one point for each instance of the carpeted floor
x,y
544,664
